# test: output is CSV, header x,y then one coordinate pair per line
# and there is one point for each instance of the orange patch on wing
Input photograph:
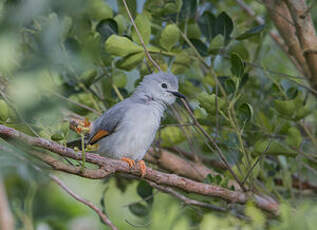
x,y
100,134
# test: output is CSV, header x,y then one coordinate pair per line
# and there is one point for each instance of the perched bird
x,y
127,130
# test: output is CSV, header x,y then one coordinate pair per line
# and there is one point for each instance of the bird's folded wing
x,y
106,124
99,134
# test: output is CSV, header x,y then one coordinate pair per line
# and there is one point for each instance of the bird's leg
x,y
142,167
129,161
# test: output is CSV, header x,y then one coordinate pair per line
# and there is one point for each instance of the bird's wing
x,y
106,124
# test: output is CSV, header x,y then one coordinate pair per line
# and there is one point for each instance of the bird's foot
x,y
129,161
142,167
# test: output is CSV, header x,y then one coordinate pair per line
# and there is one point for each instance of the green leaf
x,y
208,179
302,113
216,44
119,79
275,148
188,10
181,63
206,23
58,136
106,28
160,9
132,5
264,121
286,107
169,36
229,86
131,61
65,128
121,46
237,66
144,26
245,112
99,9
224,26
239,48
252,32
139,209
208,102
145,191
292,93
171,136
294,137
257,217
193,31
200,47
88,77
4,110
244,80
121,23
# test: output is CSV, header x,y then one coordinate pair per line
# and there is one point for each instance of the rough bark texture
x,y
109,166
293,21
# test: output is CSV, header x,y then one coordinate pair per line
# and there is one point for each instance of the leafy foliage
x,y
84,56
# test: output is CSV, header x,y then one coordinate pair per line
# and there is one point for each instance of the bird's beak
x,y
177,94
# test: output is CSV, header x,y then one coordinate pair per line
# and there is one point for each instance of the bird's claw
x,y
130,162
142,167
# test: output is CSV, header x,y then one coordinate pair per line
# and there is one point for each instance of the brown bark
x,y
110,166
283,21
306,34
293,21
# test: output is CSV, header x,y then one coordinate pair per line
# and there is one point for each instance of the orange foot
x,y
142,167
129,161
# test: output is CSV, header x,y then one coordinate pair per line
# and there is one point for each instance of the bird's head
x,y
161,87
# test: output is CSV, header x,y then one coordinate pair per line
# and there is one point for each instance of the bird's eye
x,y
164,85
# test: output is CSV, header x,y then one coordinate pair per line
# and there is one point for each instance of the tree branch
x,y
102,216
298,33
306,35
111,166
278,40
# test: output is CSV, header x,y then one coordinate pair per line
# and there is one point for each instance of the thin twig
x,y
102,215
140,37
219,151
257,161
185,199
76,103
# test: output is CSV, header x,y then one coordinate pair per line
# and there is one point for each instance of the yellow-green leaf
x,y
273,148
131,61
208,102
286,107
143,24
169,36
193,31
294,137
171,136
119,79
121,46
99,9
181,63
121,22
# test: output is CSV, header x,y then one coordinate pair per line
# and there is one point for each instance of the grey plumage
x,y
132,123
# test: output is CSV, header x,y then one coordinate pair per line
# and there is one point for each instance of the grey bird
x,y
127,130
